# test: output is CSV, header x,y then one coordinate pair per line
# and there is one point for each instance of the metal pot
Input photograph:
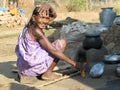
x,y
118,70
117,20
107,16
97,70
112,59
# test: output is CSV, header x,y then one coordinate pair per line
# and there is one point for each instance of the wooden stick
x,y
64,77
61,68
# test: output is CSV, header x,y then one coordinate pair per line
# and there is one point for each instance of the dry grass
x,y
83,16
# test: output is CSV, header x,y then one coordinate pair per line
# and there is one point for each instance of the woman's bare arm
x,y
45,43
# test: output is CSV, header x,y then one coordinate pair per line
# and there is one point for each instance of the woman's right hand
x,y
81,66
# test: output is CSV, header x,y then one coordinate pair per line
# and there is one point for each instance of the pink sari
x,y
32,58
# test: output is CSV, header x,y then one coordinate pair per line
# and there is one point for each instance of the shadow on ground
x,y
6,69
15,86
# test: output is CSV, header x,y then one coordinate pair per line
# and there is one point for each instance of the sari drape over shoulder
x,y
32,59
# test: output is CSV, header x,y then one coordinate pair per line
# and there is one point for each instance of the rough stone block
x,y
95,55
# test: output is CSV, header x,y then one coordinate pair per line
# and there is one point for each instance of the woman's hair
x,y
45,11
31,21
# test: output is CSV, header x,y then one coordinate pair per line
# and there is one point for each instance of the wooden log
x,y
60,68
2,22
1,13
6,17
4,13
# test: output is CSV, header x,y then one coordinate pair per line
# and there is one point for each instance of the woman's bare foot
x,y
51,76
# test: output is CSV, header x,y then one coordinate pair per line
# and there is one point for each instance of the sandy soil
x,y
9,80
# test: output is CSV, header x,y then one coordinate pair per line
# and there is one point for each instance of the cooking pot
x,y
117,20
97,70
112,59
92,41
118,70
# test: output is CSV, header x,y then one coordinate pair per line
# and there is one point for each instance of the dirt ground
x,y
9,80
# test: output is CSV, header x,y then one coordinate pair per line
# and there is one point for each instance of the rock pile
x,y
74,33
111,39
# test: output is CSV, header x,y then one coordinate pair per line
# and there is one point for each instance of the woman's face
x,y
42,21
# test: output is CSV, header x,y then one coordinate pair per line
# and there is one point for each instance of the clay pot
x,y
92,41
